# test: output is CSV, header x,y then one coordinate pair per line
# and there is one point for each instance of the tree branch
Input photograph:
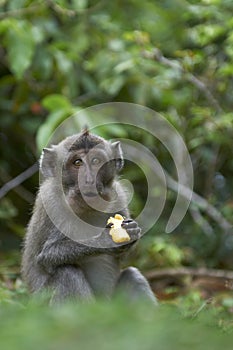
x,y
201,202
18,179
189,271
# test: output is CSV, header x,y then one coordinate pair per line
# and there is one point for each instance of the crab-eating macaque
x,y
67,248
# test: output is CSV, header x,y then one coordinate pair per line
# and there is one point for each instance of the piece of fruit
x,y
119,234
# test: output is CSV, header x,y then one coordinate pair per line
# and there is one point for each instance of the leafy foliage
x,y
59,56
109,326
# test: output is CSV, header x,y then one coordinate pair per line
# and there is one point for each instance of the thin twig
x,y
61,10
70,12
200,202
18,179
199,219
20,190
202,307
21,11
157,55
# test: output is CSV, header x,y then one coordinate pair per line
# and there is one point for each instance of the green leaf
x,y
45,131
55,101
228,302
124,66
203,34
63,62
113,85
16,4
19,40
60,108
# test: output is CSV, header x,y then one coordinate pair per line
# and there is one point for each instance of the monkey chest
x,y
102,273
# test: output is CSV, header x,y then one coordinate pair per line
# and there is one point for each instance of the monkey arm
x,y
60,250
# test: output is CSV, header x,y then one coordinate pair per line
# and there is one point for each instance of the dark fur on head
x,y
86,141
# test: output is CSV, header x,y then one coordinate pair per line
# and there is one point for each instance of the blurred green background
x,y
175,57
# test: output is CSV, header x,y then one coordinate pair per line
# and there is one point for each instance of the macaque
x,y
78,260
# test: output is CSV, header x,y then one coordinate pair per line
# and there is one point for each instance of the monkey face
x,y
87,166
88,172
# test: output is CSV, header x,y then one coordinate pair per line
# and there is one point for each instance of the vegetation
x,y
176,57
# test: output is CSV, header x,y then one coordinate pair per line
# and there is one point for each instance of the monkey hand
x,y
122,230
132,228
117,241
120,248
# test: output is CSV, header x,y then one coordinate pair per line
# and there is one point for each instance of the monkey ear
x,y
48,162
118,155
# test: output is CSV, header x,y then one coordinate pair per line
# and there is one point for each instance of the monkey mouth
x,y
90,194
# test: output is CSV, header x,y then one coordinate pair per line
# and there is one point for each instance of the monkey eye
x,y
78,162
95,161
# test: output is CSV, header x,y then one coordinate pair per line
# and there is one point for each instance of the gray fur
x,y
55,262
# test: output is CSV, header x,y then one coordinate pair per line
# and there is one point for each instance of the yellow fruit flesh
x,y
119,235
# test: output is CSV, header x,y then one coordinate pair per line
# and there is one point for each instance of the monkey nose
x,y
89,180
